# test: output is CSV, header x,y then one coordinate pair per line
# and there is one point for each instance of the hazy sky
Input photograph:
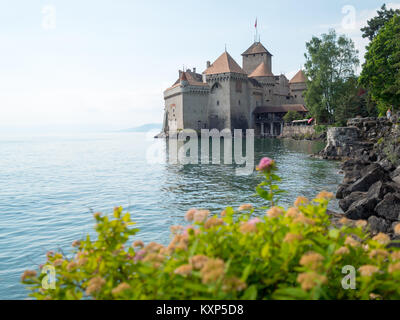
x,y
104,64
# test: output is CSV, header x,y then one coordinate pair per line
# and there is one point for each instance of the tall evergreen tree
x,y
375,24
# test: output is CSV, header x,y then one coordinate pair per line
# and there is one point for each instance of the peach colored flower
x,y
82,261
304,220
292,237
120,288
368,270
58,262
71,266
352,242
189,216
301,201
213,222
233,284
246,207
382,238
223,213
248,227
342,251
184,270
312,260
361,223
176,229
201,215
378,253
153,247
28,274
394,267
76,243
97,215
275,212
95,285
212,270
292,213
325,195
198,261
397,229
154,257
373,296
138,244
396,256
346,222
310,279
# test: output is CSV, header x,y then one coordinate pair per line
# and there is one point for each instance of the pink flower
x,y
140,255
265,164
254,221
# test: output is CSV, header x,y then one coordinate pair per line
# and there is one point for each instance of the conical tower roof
x,y
300,77
183,76
261,71
224,64
255,48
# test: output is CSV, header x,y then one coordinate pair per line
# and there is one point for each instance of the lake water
x,y
51,185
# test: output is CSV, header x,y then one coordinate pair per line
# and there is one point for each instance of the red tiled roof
x,y
224,64
300,77
192,78
281,109
255,48
261,71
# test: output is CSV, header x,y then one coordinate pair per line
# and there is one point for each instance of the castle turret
x,y
298,85
229,96
183,79
254,56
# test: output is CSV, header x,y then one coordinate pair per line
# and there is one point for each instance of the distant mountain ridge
x,y
145,128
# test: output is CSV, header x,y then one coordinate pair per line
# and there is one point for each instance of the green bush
x,y
238,254
291,116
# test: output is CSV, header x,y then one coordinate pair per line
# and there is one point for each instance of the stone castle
x,y
227,96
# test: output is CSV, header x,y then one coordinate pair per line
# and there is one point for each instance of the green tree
x,y
291,116
330,63
381,70
354,101
375,24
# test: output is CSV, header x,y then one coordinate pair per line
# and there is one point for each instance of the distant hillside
x,y
145,128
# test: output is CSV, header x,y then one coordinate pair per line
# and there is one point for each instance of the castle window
x,y
218,103
214,87
238,86
239,102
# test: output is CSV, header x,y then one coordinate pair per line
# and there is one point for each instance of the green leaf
x,y
250,293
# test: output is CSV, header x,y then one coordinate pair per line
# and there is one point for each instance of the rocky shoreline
x,y
370,190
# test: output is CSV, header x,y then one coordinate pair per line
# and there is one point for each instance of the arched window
x,y
215,87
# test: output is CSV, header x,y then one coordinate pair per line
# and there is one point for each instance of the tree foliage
x,y
291,116
375,24
381,70
330,67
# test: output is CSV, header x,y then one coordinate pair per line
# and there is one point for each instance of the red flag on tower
x,y
255,25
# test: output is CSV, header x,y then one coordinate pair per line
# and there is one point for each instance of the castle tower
x,y
229,95
298,85
254,56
